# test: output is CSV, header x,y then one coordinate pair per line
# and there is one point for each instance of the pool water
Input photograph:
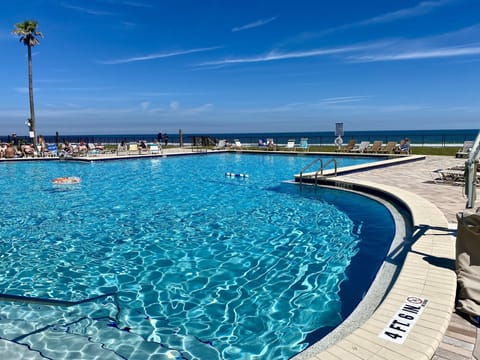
x,y
201,265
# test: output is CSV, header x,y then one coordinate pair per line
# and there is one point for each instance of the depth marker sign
x,y
404,320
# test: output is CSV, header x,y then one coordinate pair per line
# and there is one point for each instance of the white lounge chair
x,y
360,148
290,144
463,152
92,150
155,149
237,143
221,145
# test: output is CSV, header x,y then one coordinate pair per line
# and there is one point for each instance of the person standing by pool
x,y
159,138
165,137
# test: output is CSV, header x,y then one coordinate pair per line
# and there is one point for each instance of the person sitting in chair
x,y
28,150
404,146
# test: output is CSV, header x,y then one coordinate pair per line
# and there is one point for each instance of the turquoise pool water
x,y
202,265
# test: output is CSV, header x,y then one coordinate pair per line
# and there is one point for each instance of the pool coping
x,y
426,273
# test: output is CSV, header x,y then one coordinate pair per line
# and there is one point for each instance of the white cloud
x,y
137,4
421,9
155,56
422,54
277,55
254,24
86,10
453,44
342,100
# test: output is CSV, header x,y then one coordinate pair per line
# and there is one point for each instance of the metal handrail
x,y
320,168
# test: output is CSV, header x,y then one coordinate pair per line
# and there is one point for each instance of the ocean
x,y
417,137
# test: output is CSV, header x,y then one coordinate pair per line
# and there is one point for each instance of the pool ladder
x,y
320,168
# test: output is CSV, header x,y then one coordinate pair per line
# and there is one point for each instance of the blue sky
x,y
143,66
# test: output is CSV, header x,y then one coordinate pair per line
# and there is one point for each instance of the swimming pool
x,y
203,265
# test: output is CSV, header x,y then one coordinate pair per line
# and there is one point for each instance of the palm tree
x,y
28,33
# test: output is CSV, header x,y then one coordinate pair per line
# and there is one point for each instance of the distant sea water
x,y
417,137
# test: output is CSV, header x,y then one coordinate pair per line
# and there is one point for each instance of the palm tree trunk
x,y
30,92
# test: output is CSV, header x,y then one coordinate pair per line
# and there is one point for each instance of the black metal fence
x,y
417,138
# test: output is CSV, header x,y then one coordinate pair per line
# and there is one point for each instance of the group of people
x,y
162,137
13,148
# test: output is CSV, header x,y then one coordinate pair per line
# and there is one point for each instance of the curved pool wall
x,y
358,228
427,273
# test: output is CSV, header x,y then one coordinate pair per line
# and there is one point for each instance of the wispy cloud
x,y
175,108
342,100
420,9
254,24
87,10
138,4
155,56
453,44
277,55
421,54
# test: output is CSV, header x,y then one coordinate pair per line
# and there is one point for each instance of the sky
x,y
242,66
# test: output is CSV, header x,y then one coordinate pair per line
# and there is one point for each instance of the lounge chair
x,y
361,148
122,149
403,148
262,143
290,144
221,144
375,148
52,150
92,150
304,144
271,144
449,176
466,148
389,148
155,149
237,144
347,148
133,148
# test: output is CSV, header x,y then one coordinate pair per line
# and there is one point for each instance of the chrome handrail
x,y
320,168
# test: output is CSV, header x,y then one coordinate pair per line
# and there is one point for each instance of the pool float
x,y
66,180
236,175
